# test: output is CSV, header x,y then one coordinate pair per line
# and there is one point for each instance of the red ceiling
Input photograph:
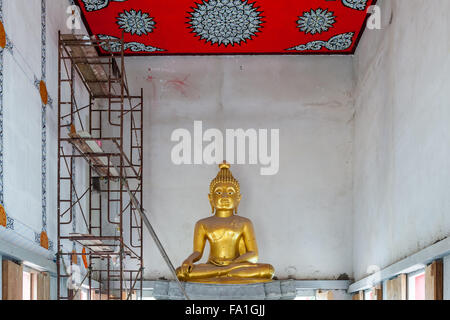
x,y
260,26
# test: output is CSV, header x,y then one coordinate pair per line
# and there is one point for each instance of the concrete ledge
x,y
275,290
322,284
272,289
34,255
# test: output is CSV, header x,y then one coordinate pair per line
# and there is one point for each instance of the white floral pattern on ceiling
x,y
226,22
94,5
133,45
336,43
316,21
136,22
355,4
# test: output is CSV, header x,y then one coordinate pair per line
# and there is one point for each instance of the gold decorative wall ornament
x,y
2,36
43,92
3,219
44,240
233,251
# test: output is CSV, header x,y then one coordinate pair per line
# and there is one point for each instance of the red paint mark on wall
x,y
179,85
166,81
149,77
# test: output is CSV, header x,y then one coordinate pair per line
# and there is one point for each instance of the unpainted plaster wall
x,y
22,117
302,215
401,153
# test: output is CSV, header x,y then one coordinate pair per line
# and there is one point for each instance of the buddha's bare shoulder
x,y
206,221
242,219
213,219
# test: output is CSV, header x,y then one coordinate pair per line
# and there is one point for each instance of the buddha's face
x,y
224,196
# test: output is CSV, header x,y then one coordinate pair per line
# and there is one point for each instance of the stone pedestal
x,y
274,290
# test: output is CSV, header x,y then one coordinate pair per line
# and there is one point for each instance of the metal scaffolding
x,y
100,171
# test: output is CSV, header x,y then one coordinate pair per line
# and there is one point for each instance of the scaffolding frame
x,y
121,121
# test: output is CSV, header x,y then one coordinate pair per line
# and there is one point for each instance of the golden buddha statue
x,y
233,251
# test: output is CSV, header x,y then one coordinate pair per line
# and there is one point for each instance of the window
x,y
368,295
29,285
416,285
26,286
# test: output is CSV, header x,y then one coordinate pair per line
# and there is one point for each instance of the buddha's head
x,y
224,191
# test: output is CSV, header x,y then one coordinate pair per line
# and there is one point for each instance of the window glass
x,y
416,286
368,295
26,288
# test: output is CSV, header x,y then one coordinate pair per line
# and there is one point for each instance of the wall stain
x,y
150,79
179,85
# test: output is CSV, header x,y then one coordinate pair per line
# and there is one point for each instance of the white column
x,y
446,272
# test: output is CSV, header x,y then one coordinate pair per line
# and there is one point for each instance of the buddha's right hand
x,y
187,266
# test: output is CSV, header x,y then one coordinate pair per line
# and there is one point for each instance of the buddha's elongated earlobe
x,y
235,211
211,203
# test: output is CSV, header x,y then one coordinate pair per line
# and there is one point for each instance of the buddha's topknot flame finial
x,y
224,165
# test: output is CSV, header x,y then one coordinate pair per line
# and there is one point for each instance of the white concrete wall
x,y
302,215
22,115
401,153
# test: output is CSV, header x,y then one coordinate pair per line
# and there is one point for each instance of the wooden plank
x,y
95,295
434,281
324,295
446,271
396,288
47,286
102,166
377,292
1,277
12,278
43,286
87,67
358,296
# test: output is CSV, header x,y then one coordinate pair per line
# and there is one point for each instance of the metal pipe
x,y
58,210
155,237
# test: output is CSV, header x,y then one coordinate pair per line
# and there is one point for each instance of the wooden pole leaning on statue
x,y
149,226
